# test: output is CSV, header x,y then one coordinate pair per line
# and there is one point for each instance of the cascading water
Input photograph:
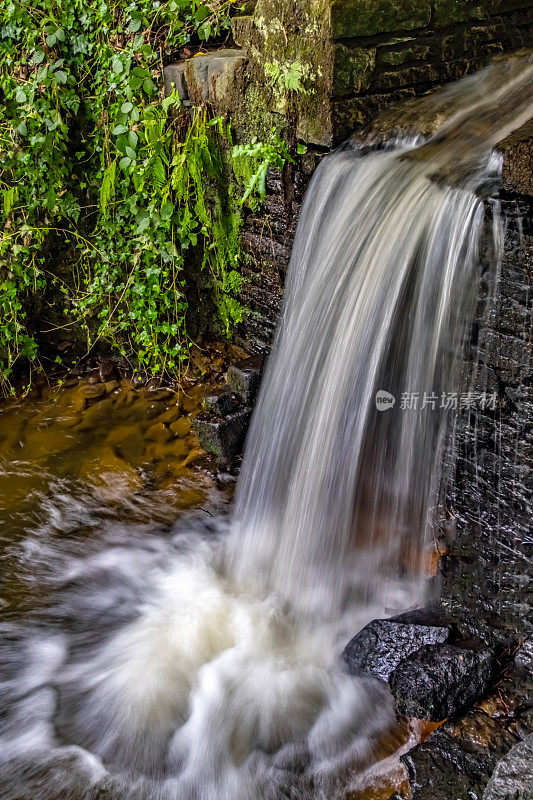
x,y
206,665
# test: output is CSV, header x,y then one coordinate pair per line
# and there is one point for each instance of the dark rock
x,y
244,378
220,404
437,681
384,643
223,437
512,778
457,760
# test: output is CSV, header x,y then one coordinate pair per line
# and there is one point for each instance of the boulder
x,y
437,681
382,644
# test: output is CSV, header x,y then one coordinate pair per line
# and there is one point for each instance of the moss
x,y
350,18
448,12
352,69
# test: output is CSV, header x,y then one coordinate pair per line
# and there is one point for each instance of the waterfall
x,y
207,664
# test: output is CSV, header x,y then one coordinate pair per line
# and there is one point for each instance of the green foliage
x,y
251,162
103,185
290,76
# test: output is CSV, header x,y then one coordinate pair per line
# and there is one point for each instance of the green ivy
x,y
103,184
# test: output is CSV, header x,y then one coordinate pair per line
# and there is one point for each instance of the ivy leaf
x,y
166,211
133,138
124,163
126,107
130,152
138,41
119,129
60,76
134,25
38,57
149,86
41,73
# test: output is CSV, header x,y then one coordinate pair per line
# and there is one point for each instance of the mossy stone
x,y
352,69
350,18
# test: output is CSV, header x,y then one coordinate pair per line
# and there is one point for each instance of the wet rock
x,y
382,644
220,404
458,758
156,393
170,415
437,681
244,378
110,386
106,370
223,437
91,391
512,778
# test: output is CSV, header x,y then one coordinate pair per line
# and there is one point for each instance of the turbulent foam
x,y
197,690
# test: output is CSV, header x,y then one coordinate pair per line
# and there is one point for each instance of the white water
x,y
207,664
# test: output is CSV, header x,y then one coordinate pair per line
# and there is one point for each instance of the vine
x,y
103,185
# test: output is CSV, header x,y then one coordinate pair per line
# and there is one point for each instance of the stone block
x,y
358,18
174,76
242,30
517,168
352,69
211,77
244,378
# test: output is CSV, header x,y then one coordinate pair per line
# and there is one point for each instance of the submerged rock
x,y
384,643
437,681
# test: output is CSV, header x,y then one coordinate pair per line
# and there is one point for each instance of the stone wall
x,y
316,70
490,544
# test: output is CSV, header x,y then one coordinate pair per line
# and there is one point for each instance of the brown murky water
x,y
130,451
